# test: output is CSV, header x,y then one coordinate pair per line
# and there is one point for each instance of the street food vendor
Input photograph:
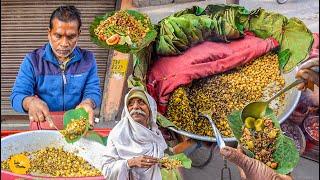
x,y
135,144
58,76
253,169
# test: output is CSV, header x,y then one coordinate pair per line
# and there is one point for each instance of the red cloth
x,y
205,59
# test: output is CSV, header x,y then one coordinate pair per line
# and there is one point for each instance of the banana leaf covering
x,y
205,59
228,19
294,37
187,28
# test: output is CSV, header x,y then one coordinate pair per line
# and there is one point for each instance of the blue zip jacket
x,y
41,75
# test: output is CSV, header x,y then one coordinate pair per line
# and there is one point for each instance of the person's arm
x,y
251,168
23,86
22,95
92,92
308,73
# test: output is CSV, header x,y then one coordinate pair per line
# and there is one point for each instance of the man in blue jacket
x,y
59,76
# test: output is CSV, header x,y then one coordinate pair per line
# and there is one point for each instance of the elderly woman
x,y
135,143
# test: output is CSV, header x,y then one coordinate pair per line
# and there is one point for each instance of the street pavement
x,y
305,10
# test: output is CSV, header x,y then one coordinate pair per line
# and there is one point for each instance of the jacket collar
x,y
48,55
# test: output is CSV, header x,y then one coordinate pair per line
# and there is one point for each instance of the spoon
x,y
219,139
257,109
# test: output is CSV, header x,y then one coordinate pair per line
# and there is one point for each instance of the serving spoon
x,y
257,109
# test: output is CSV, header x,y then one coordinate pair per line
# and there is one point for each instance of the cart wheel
x,y
281,1
201,156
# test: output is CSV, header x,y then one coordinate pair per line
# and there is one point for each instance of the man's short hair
x,y
66,14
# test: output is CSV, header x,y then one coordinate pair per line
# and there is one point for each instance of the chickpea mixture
x,y
57,163
170,163
261,141
74,129
123,24
223,93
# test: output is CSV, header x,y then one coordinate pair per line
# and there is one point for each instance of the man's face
x,y
63,37
139,111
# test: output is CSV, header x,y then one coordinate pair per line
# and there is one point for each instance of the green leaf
x,y
283,57
93,136
291,34
172,174
150,36
179,34
248,152
135,82
168,174
236,123
164,122
286,155
196,10
270,114
236,17
186,162
75,114
199,11
141,63
266,24
298,39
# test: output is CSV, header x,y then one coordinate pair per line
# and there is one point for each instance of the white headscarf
x,y
130,139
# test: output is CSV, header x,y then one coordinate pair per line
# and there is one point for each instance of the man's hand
x,y
307,73
88,106
37,109
249,168
142,162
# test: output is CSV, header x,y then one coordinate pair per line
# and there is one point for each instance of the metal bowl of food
x,y
291,101
311,127
33,141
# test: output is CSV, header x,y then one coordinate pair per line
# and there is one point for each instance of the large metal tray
x,y
291,101
29,141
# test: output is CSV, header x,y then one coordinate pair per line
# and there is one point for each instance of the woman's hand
x,y
142,161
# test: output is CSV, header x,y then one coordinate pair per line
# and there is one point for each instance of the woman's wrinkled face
x,y
63,37
139,111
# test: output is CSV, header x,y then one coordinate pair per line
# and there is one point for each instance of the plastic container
x,y
19,141
307,126
294,132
